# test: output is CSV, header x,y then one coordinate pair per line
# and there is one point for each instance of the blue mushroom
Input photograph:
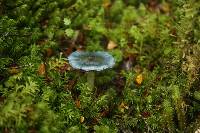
x,y
90,62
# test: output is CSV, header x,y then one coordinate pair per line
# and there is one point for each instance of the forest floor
x,y
153,85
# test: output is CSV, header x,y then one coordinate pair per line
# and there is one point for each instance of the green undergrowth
x,y
153,87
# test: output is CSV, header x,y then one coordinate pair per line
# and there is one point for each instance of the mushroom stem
x,y
90,79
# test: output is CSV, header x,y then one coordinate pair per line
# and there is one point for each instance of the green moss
x,y
40,92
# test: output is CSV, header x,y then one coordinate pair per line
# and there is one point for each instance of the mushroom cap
x,y
91,61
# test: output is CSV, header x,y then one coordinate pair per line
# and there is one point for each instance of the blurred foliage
x,y
154,86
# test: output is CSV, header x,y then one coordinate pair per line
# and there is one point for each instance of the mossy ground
x,y
153,87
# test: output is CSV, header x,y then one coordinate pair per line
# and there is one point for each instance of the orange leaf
x,y
82,119
78,103
111,45
139,79
42,69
